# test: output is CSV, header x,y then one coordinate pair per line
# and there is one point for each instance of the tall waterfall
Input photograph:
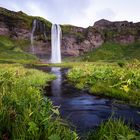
x,y
56,43
32,36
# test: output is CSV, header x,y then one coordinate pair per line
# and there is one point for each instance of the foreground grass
x,y
109,80
24,112
114,130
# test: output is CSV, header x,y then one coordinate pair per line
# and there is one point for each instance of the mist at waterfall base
x,y
56,34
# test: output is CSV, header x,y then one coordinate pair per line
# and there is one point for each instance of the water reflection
x,y
56,84
86,111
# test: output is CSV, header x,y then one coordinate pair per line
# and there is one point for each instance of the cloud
x,y
57,11
77,12
105,14
65,11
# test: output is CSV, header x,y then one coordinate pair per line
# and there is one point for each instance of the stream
x,y
83,110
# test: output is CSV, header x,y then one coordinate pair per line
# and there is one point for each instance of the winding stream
x,y
83,110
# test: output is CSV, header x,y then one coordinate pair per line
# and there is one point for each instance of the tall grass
x,y
114,130
24,112
13,51
109,80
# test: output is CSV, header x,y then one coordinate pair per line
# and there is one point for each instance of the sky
x,y
81,13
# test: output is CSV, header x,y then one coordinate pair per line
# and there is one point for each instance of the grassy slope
x,y
114,52
11,51
22,18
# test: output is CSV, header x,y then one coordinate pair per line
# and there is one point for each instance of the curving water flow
x,y
83,110
56,34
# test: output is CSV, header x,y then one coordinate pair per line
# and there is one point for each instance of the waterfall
x,y
32,36
56,43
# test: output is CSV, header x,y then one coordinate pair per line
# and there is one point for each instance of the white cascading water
x,y
56,34
32,36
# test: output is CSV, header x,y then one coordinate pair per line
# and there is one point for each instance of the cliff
x,y
75,40
121,32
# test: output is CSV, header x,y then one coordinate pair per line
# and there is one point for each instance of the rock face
x,y
11,23
13,30
75,40
121,32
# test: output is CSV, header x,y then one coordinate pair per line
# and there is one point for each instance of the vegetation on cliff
x,y
13,51
111,51
22,18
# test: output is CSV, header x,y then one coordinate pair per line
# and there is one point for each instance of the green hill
x,y
11,51
15,48
111,51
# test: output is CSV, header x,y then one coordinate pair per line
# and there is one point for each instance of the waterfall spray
x,y
56,43
32,36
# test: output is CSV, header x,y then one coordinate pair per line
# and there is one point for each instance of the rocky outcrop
x,y
80,40
123,32
75,40
11,23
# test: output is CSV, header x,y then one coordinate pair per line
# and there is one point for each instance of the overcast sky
x,y
77,12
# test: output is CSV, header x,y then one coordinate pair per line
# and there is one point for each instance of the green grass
x,y
13,51
24,112
114,130
111,51
109,80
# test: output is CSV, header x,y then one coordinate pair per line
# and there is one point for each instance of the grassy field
x,y
24,19
121,81
26,114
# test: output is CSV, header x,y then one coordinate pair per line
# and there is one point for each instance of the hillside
x,y
104,40
15,32
111,51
